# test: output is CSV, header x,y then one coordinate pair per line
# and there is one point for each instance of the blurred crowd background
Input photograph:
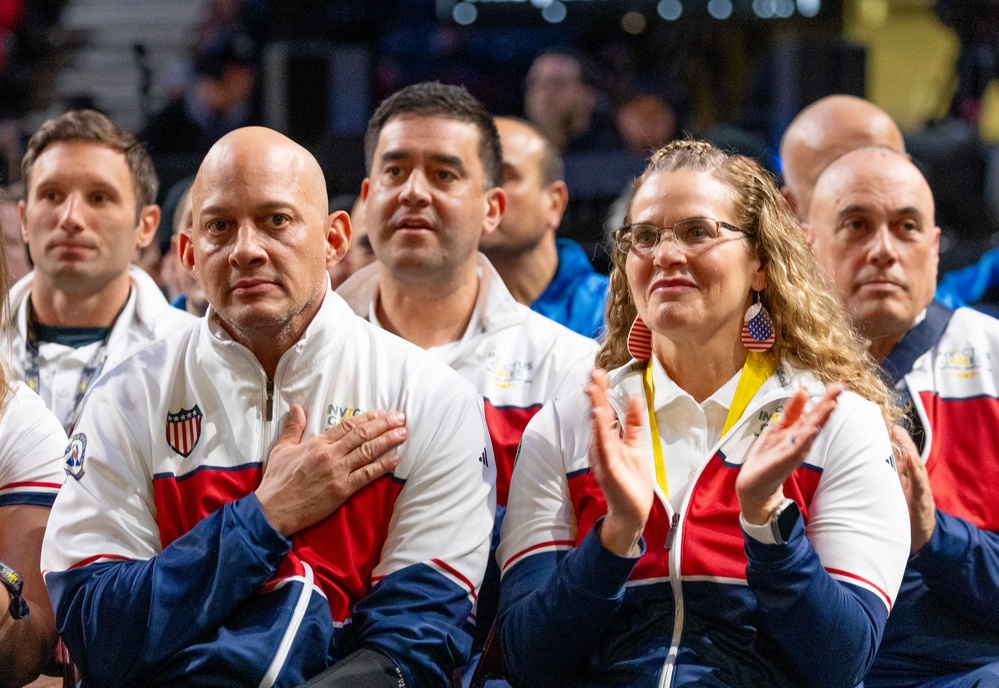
x,y
620,77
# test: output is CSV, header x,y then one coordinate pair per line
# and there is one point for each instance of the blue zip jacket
x,y
577,295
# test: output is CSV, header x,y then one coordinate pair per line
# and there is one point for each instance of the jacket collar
x,y
495,307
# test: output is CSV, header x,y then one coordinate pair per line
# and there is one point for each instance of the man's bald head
x,y
873,231
824,131
252,150
261,237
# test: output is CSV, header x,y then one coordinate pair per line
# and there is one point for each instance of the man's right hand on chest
x,y
307,480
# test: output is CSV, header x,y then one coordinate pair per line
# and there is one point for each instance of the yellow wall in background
x,y
910,57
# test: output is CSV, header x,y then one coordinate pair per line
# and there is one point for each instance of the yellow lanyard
x,y
758,368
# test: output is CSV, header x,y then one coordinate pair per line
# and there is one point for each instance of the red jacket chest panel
x,y
712,540
506,427
963,463
342,550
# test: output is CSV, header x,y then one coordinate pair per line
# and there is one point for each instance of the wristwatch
x,y
782,520
11,580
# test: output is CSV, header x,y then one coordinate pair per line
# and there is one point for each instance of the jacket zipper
x,y
666,676
269,403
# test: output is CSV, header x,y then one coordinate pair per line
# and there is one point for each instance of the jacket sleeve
x,y
828,632
825,598
123,603
169,600
961,564
550,588
548,597
435,552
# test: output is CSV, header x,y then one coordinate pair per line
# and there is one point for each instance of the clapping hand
x,y
916,488
621,467
778,452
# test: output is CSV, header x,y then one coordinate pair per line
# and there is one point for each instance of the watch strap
x,y
12,580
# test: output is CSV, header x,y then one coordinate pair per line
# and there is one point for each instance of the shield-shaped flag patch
x,y
183,430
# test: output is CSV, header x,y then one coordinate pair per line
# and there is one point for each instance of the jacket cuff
x,y
261,535
599,571
771,552
948,546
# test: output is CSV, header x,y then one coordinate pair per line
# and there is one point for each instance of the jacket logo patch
x,y
183,430
75,453
336,414
506,375
768,416
964,363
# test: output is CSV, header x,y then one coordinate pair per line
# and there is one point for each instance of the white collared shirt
x,y
688,430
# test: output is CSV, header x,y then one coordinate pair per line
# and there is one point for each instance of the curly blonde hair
x,y
813,332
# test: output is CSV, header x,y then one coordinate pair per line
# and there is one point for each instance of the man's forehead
x,y
241,183
877,172
434,137
409,127
55,156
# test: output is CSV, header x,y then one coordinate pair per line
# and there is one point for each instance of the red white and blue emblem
x,y
183,430
757,329
76,452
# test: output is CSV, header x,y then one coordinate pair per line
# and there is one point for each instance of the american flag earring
x,y
640,340
758,327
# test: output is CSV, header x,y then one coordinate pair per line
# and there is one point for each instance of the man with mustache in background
x,y
871,221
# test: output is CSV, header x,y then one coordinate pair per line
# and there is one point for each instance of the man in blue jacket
x,y
552,276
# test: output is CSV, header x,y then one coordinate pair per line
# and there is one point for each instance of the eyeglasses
x,y
643,237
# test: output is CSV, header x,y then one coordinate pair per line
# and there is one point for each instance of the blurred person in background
x,y
646,122
220,97
824,131
563,99
218,101
182,288
16,251
552,276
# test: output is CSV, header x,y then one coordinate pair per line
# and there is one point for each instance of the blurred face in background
x,y
557,99
13,245
360,252
533,209
178,280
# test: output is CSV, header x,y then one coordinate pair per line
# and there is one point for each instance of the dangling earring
x,y
758,327
640,340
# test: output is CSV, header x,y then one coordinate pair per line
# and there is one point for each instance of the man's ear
x,y
185,251
557,194
338,231
495,201
149,222
20,216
